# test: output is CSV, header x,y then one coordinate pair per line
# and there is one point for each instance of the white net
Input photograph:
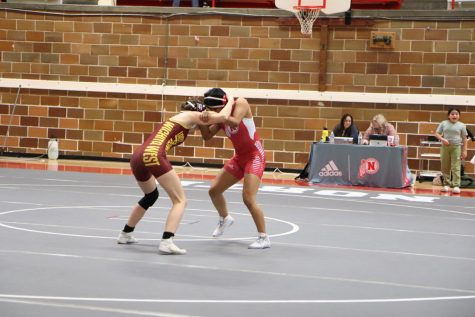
x,y
307,17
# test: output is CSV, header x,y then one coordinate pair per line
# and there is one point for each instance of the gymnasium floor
x,y
335,251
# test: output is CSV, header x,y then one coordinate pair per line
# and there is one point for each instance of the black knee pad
x,y
149,199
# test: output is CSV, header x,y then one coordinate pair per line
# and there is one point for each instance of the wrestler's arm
x,y
241,110
209,120
189,118
209,131
212,117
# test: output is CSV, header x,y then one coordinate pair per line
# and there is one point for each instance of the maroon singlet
x,y
150,159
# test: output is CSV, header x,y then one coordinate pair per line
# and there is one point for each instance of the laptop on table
x,y
378,140
343,140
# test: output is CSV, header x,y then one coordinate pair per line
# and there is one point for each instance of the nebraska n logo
x,y
330,170
368,166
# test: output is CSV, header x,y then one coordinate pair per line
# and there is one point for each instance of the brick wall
x,y
221,51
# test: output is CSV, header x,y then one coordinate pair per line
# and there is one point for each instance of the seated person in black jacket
x,y
346,128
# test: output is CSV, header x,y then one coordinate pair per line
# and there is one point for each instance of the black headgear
x,y
193,105
215,98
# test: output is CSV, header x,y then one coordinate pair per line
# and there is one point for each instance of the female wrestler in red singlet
x,y
248,162
149,163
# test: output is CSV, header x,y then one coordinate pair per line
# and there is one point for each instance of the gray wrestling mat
x,y
334,252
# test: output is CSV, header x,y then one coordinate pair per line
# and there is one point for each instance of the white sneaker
x,y
262,242
126,238
168,247
456,190
223,224
445,189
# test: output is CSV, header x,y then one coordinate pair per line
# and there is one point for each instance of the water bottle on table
x,y
324,135
53,149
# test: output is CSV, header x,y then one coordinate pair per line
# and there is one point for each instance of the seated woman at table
x,y
346,128
379,125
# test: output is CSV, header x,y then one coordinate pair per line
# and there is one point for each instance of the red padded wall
x,y
355,4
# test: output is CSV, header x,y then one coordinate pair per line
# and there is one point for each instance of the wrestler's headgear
x,y
215,98
193,105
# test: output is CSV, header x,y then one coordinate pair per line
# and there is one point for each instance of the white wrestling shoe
x,y
168,247
262,242
445,189
223,224
126,238
456,190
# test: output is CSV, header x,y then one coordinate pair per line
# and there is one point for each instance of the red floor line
x,y
200,176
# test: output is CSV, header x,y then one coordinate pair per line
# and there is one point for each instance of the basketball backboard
x,y
326,6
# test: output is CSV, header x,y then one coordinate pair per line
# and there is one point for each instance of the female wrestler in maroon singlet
x,y
248,162
149,163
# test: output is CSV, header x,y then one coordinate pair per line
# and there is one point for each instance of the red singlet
x,y
249,155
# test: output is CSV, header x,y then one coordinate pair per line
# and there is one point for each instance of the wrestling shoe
x,y
223,224
445,189
168,247
456,190
126,238
262,242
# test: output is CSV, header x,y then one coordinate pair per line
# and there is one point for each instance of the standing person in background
x,y
194,3
149,164
379,125
248,162
453,135
346,128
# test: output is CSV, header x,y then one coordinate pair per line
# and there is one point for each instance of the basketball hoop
x,y
307,16
308,11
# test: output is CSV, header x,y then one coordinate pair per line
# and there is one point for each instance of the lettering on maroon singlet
x,y
150,155
177,139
